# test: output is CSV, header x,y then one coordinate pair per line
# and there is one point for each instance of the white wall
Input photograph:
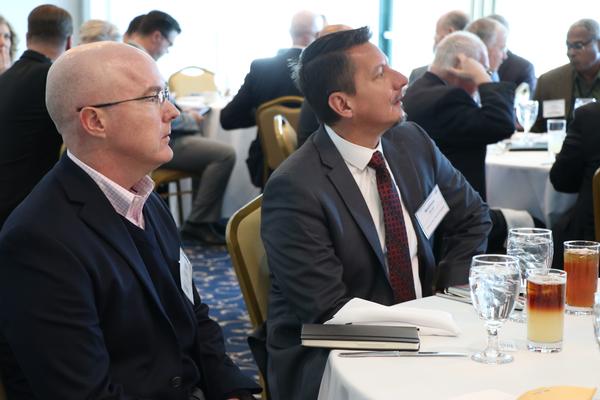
x,y
16,13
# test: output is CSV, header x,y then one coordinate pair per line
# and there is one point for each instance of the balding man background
x,y
268,79
96,295
451,21
29,142
493,34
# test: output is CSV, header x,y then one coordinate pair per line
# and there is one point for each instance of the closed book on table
x,y
363,337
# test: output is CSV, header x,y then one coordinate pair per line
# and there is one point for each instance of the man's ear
x,y
93,122
338,101
69,43
156,36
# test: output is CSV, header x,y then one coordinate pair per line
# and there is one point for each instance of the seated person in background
x,y
29,142
460,107
515,68
268,79
96,296
493,35
451,21
209,160
339,215
572,172
557,89
132,28
97,30
8,44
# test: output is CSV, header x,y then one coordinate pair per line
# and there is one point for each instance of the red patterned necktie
x,y
396,241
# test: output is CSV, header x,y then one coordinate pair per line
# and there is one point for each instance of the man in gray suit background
x,y
326,221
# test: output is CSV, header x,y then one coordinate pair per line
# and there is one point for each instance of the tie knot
x,y
377,162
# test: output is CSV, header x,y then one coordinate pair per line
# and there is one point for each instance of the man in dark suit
x,y
268,79
572,172
443,103
328,236
29,142
515,68
96,295
557,89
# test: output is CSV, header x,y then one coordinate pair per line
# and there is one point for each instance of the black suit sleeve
x,y
567,172
240,112
222,377
470,124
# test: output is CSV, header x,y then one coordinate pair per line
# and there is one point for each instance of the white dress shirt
x,y
127,203
356,158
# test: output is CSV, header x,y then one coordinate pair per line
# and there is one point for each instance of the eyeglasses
x,y
578,45
159,98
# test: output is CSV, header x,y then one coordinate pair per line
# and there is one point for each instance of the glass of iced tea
x,y
545,309
581,265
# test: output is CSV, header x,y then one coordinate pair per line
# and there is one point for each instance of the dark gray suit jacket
x,y
516,69
323,248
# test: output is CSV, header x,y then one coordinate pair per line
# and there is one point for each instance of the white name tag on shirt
x,y
433,210
185,273
554,108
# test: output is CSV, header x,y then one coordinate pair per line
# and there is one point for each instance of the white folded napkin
x,y
363,312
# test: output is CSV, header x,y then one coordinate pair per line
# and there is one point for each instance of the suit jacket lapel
x,y
97,212
342,179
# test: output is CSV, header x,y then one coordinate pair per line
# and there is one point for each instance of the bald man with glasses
x,y
96,296
558,89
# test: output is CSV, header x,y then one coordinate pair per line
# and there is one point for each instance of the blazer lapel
x,y
342,180
98,214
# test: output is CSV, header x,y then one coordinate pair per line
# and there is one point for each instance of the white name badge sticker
x,y
185,272
431,213
554,108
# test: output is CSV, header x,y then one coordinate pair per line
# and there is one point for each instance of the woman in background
x,y
8,44
96,30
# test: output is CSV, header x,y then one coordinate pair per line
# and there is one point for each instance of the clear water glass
x,y
527,112
494,280
534,249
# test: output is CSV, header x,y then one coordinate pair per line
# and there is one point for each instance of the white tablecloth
x,y
519,180
443,378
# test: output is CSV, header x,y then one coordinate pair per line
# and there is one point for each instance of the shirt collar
x,y
127,203
354,154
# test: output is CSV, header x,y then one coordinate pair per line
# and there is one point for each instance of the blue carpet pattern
x,y
218,287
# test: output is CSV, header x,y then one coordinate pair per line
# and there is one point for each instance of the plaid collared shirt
x,y
127,203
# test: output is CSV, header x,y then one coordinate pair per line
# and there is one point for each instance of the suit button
x,y
176,382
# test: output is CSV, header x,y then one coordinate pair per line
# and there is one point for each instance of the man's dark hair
x,y
324,67
134,25
49,24
458,20
158,21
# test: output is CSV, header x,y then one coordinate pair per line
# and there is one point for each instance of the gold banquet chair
x,y
250,264
287,106
192,80
165,176
286,135
596,196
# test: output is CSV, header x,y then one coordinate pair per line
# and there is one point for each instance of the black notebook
x,y
363,337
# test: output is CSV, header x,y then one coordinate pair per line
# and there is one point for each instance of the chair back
x,y
596,196
287,106
249,259
162,176
192,80
286,135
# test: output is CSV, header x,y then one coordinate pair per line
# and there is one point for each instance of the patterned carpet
x,y
218,287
